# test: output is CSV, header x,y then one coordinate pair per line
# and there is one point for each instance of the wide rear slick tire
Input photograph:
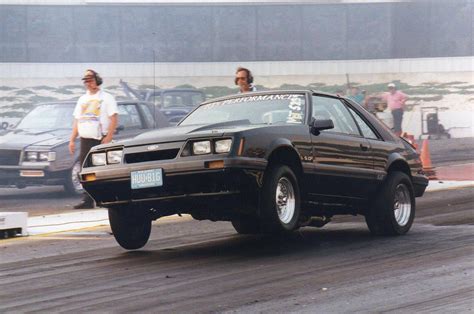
x,y
131,227
392,212
279,200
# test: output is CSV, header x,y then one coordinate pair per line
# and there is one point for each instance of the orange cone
x,y
426,161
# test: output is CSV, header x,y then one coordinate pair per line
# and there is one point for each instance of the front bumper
x,y
186,184
11,176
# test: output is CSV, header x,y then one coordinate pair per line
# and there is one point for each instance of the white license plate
x,y
146,178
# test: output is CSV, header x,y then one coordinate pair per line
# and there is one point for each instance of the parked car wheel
x,y
393,210
280,200
73,185
131,228
246,225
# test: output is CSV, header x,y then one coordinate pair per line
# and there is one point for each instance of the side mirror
x,y
119,128
318,125
4,125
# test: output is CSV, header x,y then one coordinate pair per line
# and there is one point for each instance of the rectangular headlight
x,y
47,156
114,156
201,148
98,159
32,156
223,146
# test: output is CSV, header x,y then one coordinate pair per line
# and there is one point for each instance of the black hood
x,y
182,133
20,139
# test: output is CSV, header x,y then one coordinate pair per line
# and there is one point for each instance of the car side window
x,y
129,117
148,115
334,109
364,127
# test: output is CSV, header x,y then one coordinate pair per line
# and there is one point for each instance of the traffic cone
x,y
428,168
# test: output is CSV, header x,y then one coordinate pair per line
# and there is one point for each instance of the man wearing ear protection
x,y
95,120
244,79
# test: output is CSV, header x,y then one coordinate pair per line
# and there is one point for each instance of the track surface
x,y
191,266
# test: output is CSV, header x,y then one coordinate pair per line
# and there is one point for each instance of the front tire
x,y
72,184
131,227
280,200
392,212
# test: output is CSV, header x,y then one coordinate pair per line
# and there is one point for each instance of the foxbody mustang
x,y
266,161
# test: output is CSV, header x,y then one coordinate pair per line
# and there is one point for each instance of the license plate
x,y
146,178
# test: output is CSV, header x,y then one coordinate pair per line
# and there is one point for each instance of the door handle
x,y
364,147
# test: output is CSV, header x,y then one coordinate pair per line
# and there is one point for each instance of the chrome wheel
x,y
402,205
285,200
76,184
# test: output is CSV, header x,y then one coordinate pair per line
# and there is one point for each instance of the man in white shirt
x,y
95,120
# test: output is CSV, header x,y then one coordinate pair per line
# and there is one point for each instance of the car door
x,y
380,149
130,123
342,161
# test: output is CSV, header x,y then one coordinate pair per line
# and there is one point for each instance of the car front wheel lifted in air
x,y
280,200
393,209
131,227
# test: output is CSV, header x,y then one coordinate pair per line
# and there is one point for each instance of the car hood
x,y
19,139
182,133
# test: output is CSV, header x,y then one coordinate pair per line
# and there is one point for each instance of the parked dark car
x,y
266,161
35,152
173,103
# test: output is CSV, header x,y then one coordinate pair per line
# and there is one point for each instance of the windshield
x,y
261,109
51,116
171,99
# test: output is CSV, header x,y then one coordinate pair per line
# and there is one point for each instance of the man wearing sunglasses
x,y
244,79
95,120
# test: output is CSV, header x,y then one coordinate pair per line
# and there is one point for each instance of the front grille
x,y
9,157
151,156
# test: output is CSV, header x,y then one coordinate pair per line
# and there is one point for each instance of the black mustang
x,y
266,161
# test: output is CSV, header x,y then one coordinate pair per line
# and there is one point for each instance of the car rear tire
x,y
393,210
131,228
72,184
280,200
246,225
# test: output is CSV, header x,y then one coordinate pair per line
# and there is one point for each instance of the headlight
x,y
201,148
98,159
114,157
31,156
223,146
47,156
40,156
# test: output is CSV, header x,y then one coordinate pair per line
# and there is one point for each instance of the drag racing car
x,y
268,162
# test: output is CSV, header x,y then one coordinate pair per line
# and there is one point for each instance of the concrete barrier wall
x,y
235,33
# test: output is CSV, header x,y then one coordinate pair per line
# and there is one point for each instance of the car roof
x,y
193,90
269,92
73,102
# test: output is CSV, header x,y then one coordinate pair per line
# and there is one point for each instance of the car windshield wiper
x,y
223,124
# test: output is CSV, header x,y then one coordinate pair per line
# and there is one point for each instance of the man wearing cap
x,y
95,120
396,103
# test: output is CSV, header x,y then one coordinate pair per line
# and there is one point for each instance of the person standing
x,y
95,120
356,95
244,79
396,103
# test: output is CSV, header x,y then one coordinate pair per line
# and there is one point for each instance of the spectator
x,y
396,103
356,95
244,79
95,120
